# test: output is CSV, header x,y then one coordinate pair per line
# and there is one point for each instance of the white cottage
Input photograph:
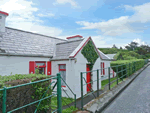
x,y
70,62
21,52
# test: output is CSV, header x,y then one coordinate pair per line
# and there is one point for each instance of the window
x,y
0,17
41,65
62,70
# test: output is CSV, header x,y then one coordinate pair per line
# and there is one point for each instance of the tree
x,y
114,46
120,47
132,46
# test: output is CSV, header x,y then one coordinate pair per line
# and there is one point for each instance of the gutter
x,y
109,59
62,59
25,55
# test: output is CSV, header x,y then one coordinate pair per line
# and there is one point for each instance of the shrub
x,y
131,65
20,96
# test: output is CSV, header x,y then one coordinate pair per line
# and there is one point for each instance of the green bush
x,y
131,65
129,55
38,89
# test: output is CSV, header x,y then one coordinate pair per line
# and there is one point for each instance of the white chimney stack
x,y
76,37
3,16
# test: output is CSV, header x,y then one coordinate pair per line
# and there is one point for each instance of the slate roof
x,y
111,56
103,56
64,49
21,42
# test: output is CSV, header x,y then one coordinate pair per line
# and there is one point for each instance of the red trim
x,y
103,68
32,67
75,36
49,68
81,47
4,13
61,69
63,86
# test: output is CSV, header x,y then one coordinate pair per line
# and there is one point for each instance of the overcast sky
x,y
108,22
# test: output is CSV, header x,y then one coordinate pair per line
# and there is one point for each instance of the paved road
x,y
135,98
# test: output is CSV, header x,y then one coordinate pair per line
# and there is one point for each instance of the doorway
x,y
88,77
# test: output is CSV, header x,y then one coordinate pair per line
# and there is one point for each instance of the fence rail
x,y
124,70
58,94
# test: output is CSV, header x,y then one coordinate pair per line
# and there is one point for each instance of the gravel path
x,y
135,98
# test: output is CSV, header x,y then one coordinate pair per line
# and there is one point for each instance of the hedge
x,y
20,96
131,65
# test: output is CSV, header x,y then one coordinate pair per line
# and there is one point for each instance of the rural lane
x,y
135,98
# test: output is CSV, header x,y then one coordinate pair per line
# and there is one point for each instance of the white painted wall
x,y
17,65
73,70
96,67
107,64
2,22
69,75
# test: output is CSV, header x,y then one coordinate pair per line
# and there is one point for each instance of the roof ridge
x,y
35,33
69,41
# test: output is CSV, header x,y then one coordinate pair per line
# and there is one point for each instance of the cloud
x,y
123,24
72,2
139,41
22,16
101,41
46,15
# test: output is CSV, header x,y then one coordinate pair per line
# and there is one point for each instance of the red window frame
x,y
62,70
41,66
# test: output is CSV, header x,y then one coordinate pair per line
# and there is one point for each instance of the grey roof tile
x,y
103,56
22,42
63,50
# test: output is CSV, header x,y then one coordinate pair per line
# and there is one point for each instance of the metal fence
x,y
122,72
55,82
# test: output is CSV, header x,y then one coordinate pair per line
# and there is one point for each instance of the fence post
x,y
4,99
81,91
97,83
117,74
59,103
109,76
75,100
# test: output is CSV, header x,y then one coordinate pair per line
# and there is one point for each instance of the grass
x,y
69,110
65,101
105,82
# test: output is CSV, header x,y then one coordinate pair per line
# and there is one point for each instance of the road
x,y
135,98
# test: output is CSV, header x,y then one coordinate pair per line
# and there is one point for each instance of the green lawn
x,y
65,101
104,82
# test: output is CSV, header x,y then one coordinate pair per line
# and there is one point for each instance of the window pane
x,y
62,66
41,70
40,64
63,75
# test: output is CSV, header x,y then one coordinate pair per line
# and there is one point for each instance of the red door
x,y
103,68
88,77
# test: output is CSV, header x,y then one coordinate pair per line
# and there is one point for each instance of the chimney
x,y
76,37
3,16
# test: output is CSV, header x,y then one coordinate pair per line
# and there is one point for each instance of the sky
x,y
108,22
